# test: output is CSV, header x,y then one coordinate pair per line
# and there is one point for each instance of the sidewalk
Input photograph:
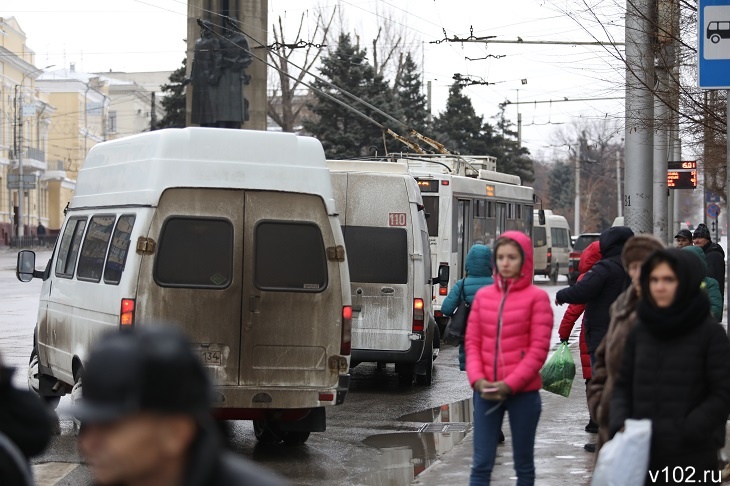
x,y
560,459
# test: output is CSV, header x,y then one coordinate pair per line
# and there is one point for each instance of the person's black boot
x,y
590,448
501,436
592,427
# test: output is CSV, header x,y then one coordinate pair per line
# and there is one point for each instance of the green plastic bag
x,y
559,371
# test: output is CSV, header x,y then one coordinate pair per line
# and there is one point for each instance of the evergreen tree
x,y
410,97
560,187
342,132
459,127
502,143
174,100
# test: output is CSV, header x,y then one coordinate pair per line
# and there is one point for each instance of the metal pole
x,y
576,226
519,122
660,157
727,210
639,113
429,117
21,185
620,205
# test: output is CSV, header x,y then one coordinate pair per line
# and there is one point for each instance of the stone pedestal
x,y
253,18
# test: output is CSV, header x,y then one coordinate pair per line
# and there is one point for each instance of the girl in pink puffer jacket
x,y
507,341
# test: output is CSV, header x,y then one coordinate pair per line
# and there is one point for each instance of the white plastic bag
x,y
624,460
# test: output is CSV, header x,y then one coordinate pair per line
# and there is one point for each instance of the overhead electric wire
x,y
412,145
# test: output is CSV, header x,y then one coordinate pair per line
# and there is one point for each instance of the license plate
x,y
211,358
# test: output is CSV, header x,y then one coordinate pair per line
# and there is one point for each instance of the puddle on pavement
x,y
405,455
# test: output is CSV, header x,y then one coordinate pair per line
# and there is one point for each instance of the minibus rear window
x,y
539,236
289,256
118,250
93,253
195,253
377,255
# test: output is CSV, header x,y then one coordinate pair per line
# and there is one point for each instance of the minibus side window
x,y
93,253
117,257
195,253
289,256
69,247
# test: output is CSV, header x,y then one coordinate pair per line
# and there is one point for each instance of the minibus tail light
x,y
443,291
346,340
549,255
126,316
418,315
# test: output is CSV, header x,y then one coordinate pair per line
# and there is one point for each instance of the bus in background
x,y
467,202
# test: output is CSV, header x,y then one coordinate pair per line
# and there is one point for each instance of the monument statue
x,y
232,104
205,76
218,77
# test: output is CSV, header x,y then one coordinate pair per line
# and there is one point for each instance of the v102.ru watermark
x,y
685,475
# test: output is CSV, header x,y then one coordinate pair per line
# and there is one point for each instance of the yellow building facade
x,y
25,117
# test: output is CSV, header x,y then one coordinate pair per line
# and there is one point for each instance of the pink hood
x,y
528,264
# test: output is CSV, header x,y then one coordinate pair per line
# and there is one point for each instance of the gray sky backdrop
x,y
137,35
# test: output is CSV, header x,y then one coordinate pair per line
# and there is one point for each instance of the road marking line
x,y
49,473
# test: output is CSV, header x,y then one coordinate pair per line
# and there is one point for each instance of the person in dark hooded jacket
x,y
709,284
675,370
601,286
714,254
478,275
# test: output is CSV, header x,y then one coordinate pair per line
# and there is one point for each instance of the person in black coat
x,y
675,370
600,287
26,425
713,253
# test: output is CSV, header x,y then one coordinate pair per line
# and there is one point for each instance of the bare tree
x,y
701,116
284,105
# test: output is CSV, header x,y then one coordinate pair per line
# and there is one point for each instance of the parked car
x,y
581,242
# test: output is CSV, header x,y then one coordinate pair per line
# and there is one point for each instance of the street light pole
x,y
19,150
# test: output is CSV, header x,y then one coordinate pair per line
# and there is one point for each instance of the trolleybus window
x,y
431,206
377,255
290,257
195,253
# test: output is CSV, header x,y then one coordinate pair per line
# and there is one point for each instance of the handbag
x,y
624,460
457,325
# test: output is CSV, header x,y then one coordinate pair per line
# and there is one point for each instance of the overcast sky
x,y
147,35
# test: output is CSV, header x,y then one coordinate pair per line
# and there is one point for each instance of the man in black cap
x,y
684,238
714,254
145,416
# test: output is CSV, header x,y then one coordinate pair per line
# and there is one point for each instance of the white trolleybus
x,y
468,202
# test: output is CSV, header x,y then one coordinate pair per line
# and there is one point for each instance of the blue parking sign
x,y
713,32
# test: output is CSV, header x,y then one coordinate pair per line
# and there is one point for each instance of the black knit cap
x,y
143,369
702,231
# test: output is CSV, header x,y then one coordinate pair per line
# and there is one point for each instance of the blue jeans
x,y
524,413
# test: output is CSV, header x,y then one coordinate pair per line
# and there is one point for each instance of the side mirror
x,y
443,277
25,268
541,217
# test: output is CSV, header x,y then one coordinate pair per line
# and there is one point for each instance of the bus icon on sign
x,y
717,31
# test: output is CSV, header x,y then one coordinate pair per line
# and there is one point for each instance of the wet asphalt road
x,y
364,444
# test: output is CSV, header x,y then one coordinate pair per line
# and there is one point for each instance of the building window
x,y
112,122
